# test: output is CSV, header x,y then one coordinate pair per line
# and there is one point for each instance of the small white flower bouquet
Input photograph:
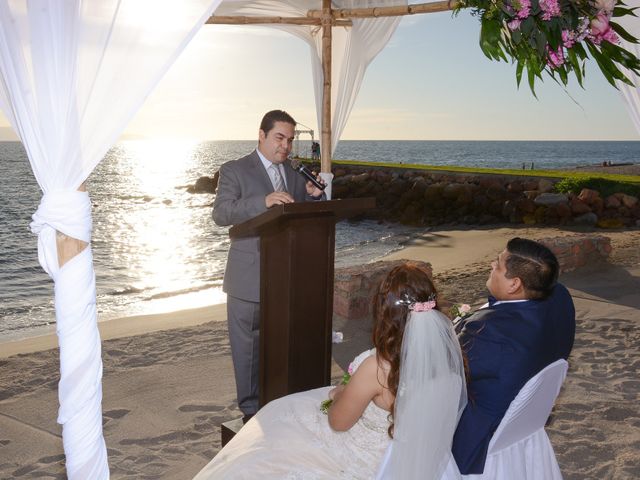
x,y
459,311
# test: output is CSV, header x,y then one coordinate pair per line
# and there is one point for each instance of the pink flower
x,y
551,8
556,57
465,308
601,30
525,9
423,306
605,6
568,39
514,24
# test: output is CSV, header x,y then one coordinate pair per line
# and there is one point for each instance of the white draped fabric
x,y
353,48
72,74
631,94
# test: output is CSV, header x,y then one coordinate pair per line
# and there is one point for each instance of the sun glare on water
x,y
157,235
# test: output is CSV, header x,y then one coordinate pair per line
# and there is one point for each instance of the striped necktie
x,y
278,182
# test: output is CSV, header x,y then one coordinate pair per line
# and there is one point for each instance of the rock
x,y
550,199
578,207
545,186
610,223
206,184
612,202
586,219
629,201
588,196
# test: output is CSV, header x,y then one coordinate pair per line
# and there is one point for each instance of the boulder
x,y
545,186
578,207
205,184
629,201
551,199
588,196
612,201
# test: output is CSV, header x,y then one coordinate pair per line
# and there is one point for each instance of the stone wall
x,y
355,287
418,197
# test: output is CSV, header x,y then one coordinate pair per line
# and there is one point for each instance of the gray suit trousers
x,y
243,319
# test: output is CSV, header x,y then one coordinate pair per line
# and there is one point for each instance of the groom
x,y
528,324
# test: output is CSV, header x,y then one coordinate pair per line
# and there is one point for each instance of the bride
x,y
408,391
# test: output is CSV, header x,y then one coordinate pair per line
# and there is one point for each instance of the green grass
x,y
627,179
497,171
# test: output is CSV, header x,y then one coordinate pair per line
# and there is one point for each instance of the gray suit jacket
x,y
242,187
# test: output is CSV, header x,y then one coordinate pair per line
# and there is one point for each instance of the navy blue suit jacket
x,y
506,345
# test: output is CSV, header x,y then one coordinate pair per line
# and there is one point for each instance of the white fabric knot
x,y
68,212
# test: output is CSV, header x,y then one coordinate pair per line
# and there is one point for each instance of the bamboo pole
x,y
240,20
392,11
325,148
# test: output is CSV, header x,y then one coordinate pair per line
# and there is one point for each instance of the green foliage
x,y
557,42
606,187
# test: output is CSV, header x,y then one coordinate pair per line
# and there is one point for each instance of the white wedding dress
x,y
290,438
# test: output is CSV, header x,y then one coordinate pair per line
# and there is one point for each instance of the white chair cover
x,y
520,448
72,74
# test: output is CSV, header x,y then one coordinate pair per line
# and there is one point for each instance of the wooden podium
x,y
297,244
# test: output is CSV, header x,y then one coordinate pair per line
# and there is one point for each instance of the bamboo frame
x,y
327,18
393,11
325,148
231,20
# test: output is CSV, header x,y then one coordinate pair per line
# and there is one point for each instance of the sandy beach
x,y
168,381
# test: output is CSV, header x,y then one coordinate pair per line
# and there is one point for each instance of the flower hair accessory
x,y
414,306
423,306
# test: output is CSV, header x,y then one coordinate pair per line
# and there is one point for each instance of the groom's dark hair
x,y
270,118
534,264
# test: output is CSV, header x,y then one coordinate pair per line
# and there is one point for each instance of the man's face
x,y
498,284
276,145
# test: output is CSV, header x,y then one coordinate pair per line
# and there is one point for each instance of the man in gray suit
x,y
247,187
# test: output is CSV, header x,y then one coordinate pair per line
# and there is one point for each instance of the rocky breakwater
x,y
417,197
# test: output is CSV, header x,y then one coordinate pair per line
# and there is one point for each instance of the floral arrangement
x,y
555,36
459,311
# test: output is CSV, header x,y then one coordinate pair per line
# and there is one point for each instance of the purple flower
x,y
556,57
514,24
568,38
525,9
550,8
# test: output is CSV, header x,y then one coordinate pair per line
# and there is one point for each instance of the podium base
x,y
229,429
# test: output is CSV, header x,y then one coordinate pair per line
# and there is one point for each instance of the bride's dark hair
x,y
405,283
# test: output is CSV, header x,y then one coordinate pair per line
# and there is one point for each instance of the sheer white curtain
x,y
353,48
631,94
72,74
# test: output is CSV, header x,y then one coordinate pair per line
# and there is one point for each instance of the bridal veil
x,y
431,397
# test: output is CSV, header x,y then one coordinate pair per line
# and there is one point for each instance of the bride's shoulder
x,y
353,366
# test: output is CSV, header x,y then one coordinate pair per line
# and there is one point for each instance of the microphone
x,y
306,173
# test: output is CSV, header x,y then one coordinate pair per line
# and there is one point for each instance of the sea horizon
x,y
155,246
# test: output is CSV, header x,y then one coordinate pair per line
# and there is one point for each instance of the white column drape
x,y
72,74
631,94
353,48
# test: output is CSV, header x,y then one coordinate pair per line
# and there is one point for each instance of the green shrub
x,y
605,186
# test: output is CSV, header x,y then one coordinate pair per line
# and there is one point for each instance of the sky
x,y
431,82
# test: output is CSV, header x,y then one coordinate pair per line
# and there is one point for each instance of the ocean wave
x,y
183,291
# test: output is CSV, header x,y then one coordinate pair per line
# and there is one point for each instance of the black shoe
x,y
247,417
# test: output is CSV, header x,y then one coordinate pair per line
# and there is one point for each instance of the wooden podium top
x,y
340,209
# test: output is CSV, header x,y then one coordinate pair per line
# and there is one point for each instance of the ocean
x,y
155,246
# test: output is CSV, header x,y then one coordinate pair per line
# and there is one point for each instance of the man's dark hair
x,y
270,118
534,264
